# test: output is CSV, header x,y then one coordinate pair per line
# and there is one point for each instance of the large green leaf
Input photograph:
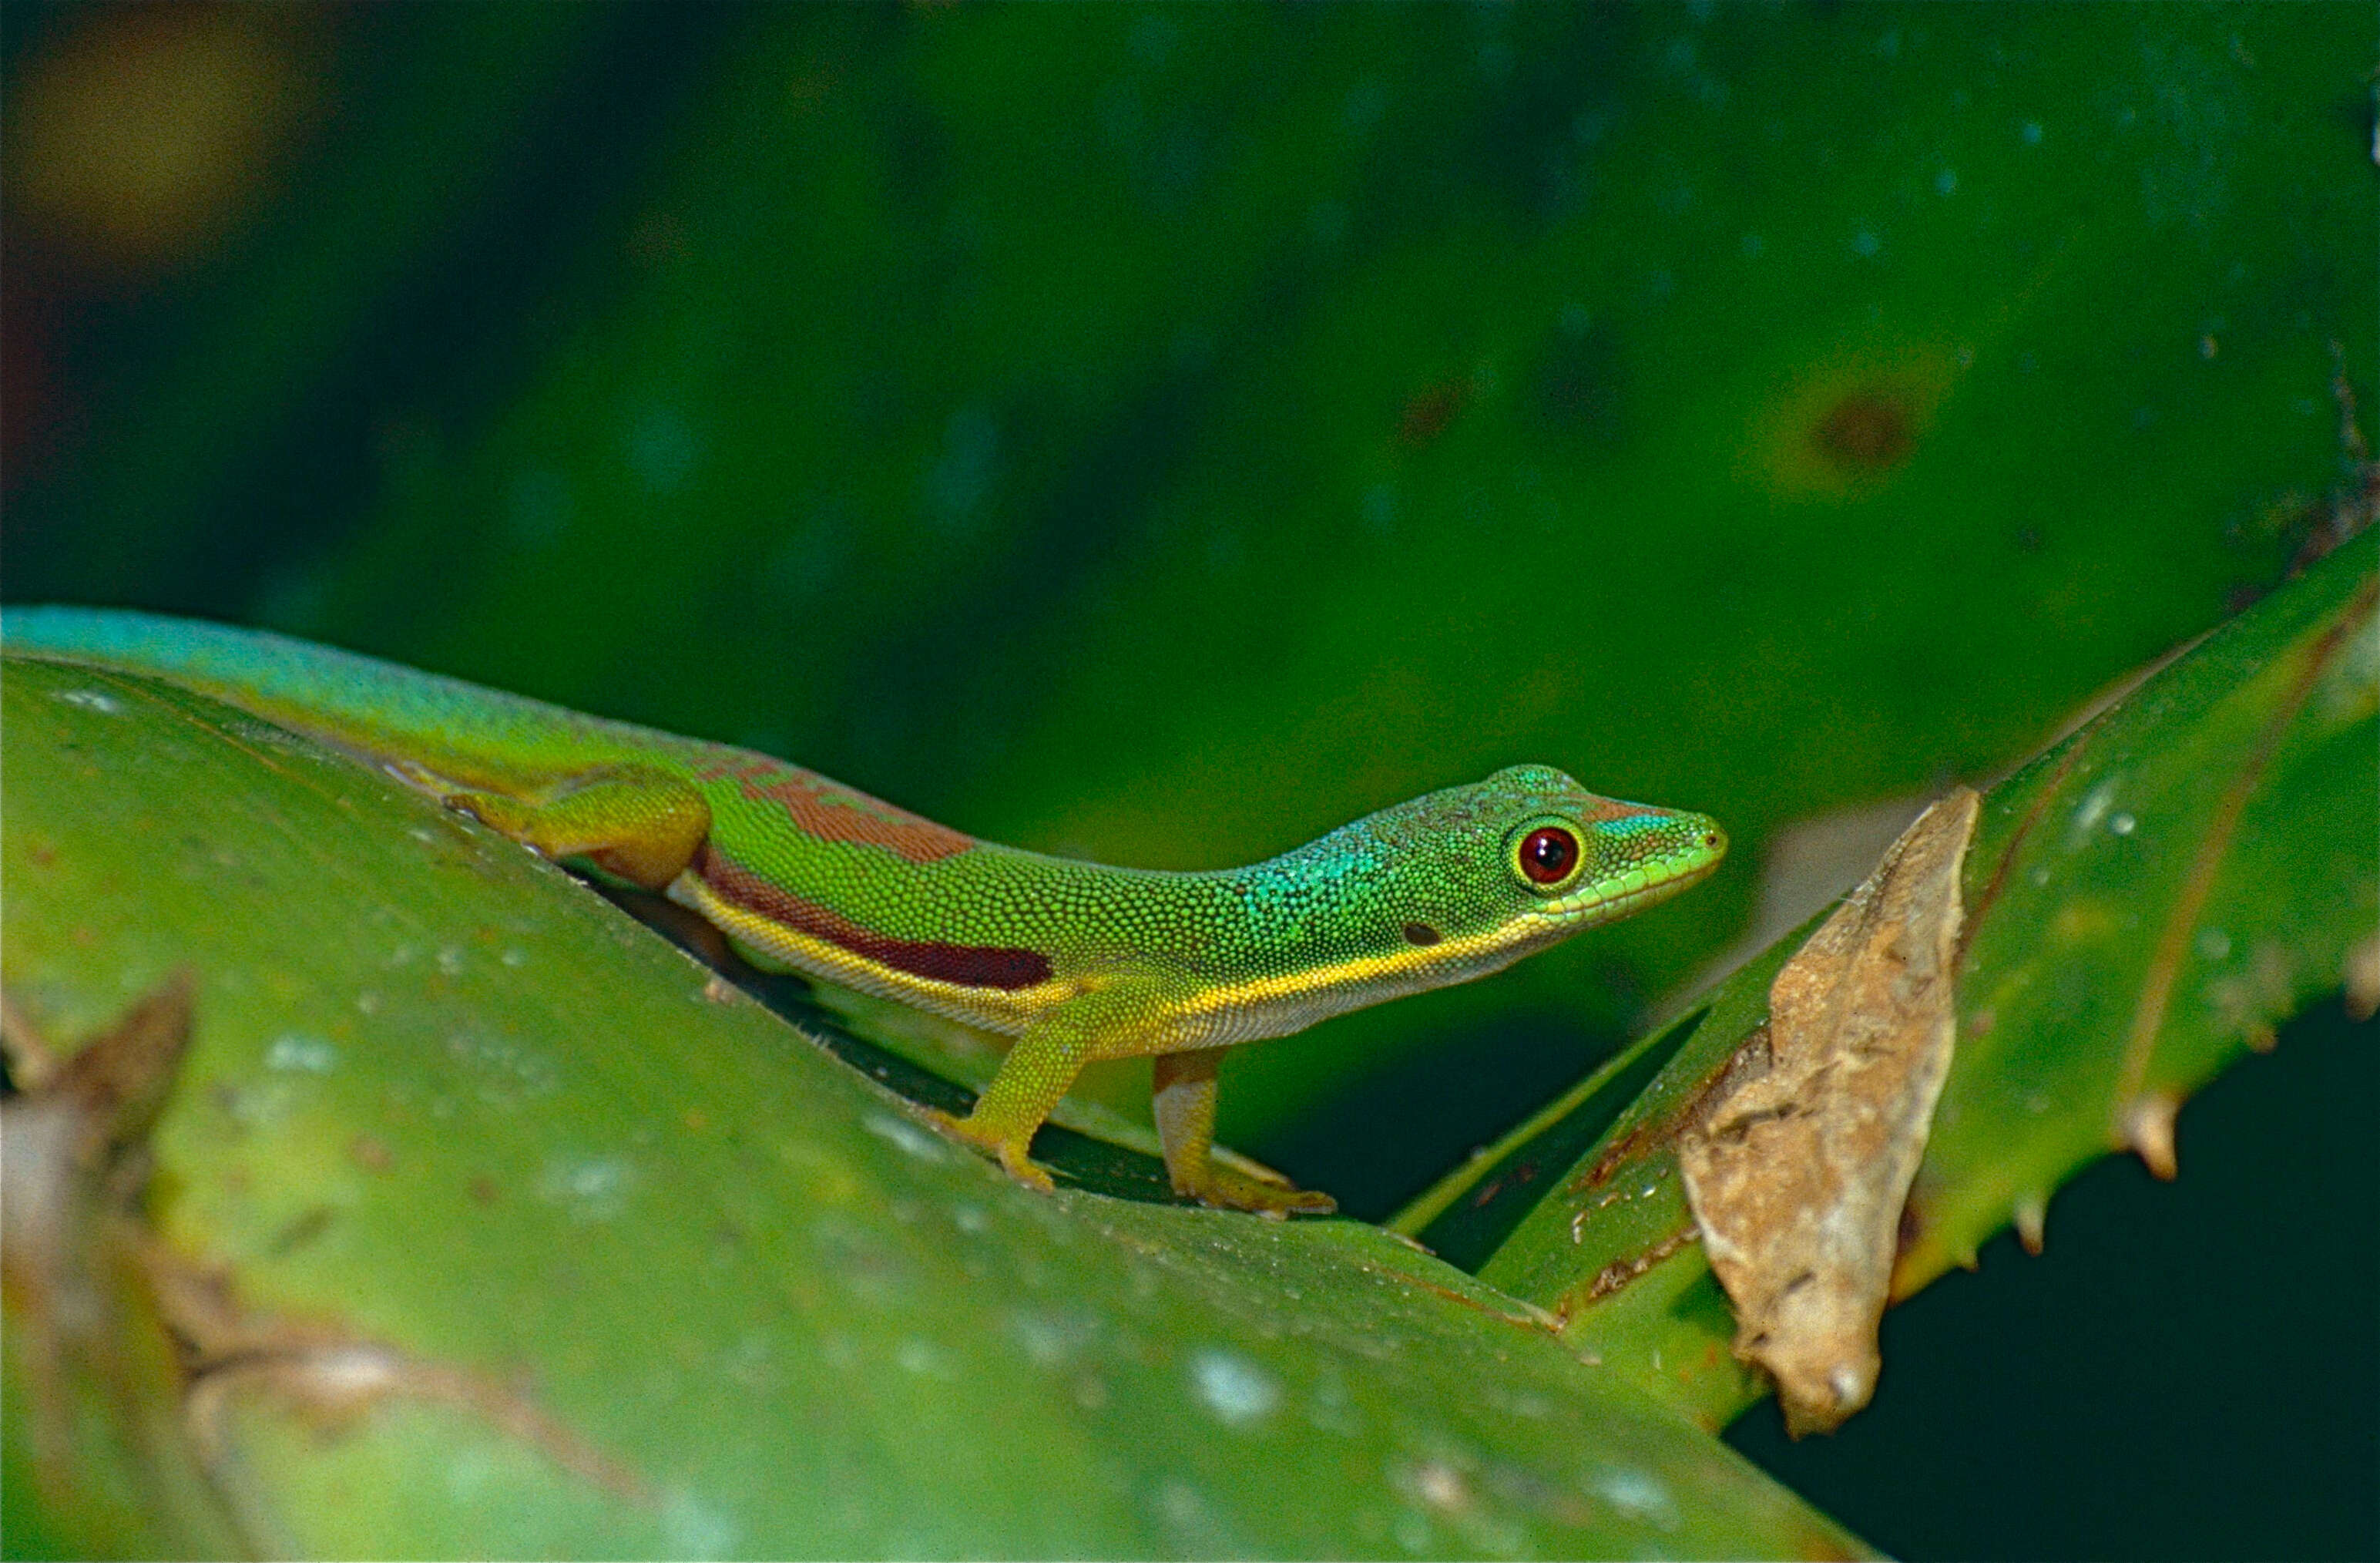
x,y
1165,434
517,1232
2145,901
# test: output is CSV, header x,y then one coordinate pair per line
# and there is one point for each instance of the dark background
x,y
1164,433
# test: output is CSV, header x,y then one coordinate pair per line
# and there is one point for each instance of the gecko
x,y
1076,960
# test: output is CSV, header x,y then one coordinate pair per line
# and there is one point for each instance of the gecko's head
x,y
1579,859
1455,884
1528,857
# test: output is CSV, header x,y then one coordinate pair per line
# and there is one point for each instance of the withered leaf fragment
x,y
94,1356
1798,1174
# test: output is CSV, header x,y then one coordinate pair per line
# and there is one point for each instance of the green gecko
x,y
1076,960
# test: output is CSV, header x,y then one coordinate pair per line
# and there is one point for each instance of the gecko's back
x,y
775,824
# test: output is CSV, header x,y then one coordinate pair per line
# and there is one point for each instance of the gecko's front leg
x,y
1102,1023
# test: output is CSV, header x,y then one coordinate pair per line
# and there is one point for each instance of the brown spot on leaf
x,y
1799,1174
1429,413
1846,424
1868,431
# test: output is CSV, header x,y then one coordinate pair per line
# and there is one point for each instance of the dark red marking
x,y
972,966
829,811
1547,854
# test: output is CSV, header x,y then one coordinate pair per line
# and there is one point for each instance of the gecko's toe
x,y
1273,1202
1014,1162
1012,1156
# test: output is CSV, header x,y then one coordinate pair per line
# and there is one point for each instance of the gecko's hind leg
x,y
637,823
1184,1099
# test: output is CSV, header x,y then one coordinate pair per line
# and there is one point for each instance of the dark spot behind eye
x,y
1422,933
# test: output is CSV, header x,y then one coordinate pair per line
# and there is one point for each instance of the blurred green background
x,y
1163,433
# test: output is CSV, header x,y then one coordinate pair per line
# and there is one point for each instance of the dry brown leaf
x,y
1797,1173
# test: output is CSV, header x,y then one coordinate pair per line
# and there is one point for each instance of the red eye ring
x,y
1549,854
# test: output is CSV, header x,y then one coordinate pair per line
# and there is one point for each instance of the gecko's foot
x,y
1275,1201
1226,1160
1010,1153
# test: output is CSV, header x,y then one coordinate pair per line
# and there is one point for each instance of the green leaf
x,y
2145,902
1165,434
491,1224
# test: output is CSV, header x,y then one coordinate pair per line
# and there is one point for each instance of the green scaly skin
x,y
1077,962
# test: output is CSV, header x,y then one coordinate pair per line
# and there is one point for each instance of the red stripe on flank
x,y
972,966
829,811
1602,810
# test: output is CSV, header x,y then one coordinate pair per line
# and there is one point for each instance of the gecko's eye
x,y
1548,855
